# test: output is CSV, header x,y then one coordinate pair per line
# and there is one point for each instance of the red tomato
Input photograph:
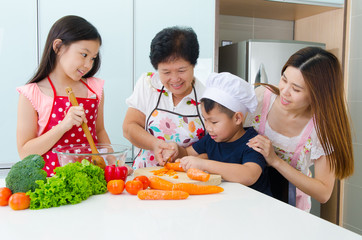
x,y
19,201
115,186
5,194
132,187
144,180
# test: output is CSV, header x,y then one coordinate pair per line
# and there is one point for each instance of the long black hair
x,y
69,29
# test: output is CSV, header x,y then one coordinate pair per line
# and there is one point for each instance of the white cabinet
x,y
152,16
127,28
113,19
18,60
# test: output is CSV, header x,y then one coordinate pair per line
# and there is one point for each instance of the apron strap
x,y
197,109
302,142
264,111
292,191
51,84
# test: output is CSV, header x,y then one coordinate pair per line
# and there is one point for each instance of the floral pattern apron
x,y
170,127
75,135
295,196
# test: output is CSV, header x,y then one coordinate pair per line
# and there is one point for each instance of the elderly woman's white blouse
x,y
147,90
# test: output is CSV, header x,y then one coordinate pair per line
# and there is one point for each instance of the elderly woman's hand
x,y
162,151
171,152
263,145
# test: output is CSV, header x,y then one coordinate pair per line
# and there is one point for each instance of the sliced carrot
x,y
175,166
164,171
197,174
194,189
159,183
162,195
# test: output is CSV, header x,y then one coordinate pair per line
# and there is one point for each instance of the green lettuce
x,y
71,184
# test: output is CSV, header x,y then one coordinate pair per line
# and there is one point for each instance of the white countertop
x,y
237,213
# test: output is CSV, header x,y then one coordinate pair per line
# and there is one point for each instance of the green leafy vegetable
x,y
71,184
23,174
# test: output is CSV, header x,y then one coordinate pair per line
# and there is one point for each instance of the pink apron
x,y
170,127
75,135
295,196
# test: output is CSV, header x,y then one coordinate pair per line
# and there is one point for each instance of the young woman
x,y
304,122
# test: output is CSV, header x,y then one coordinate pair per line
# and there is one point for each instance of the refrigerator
x,y
259,60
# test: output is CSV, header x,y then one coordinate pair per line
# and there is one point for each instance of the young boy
x,y
223,150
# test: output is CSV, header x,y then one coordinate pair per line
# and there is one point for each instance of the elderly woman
x,y
164,106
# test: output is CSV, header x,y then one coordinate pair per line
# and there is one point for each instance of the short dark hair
x,y
211,104
173,43
69,29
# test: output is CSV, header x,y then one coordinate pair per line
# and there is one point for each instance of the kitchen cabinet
x,y
18,59
114,21
127,28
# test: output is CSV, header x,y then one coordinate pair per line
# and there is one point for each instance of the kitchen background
x,y
127,28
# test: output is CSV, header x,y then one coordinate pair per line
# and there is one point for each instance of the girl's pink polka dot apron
x,y
75,135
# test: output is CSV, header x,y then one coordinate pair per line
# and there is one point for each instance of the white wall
x,y
18,57
126,27
352,215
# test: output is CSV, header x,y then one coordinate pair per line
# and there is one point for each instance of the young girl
x,y
305,122
46,118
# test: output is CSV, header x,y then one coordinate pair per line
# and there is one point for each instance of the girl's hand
x,y
192,162
74,116
263,145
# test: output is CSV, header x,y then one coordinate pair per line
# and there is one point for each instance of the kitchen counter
x,y
237,213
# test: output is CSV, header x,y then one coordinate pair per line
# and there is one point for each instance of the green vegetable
x,y
23,174
71,184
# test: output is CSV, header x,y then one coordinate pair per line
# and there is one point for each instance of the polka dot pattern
x,y
75,135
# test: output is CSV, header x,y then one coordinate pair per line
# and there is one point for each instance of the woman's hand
x,y
192,162
74,116
263,145
171,152
162,151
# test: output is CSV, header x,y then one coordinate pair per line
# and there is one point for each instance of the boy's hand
x,y
192,162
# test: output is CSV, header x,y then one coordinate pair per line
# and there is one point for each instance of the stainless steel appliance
x,y
257,60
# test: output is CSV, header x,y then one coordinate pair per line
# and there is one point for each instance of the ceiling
x,y
270,10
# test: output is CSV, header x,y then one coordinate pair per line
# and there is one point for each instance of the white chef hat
x,y
231,91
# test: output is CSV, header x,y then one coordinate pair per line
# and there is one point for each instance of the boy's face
x,y
220,126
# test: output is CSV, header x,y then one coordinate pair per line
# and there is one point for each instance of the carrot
x,y
194,189
197,174
161,195
164,171
159,183
175,166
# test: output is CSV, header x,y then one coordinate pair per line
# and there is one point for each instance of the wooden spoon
x,y
96,160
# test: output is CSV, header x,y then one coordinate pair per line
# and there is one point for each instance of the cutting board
x,y
182,176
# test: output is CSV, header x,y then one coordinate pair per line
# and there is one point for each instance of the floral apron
x,y
170,127
75,135
295,196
